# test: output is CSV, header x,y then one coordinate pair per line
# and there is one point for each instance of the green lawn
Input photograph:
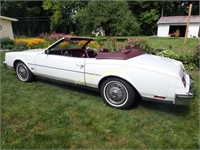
x,y
44,114
176,44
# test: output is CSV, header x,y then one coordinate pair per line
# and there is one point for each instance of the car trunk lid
x,y
159,64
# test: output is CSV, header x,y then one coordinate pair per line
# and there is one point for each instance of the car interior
x,y
85,53
73,49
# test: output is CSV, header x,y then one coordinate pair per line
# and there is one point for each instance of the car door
x,y
64,68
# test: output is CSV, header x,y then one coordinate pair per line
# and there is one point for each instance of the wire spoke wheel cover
x,y
23,72
117,93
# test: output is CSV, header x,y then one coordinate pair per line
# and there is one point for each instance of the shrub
x,y
188,59
92,44
168,53
112,45
6,43
20,46
197,54
139,43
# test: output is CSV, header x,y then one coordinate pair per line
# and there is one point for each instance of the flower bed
x,y
31,43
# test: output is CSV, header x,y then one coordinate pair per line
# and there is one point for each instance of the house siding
x,y
6,30
164,24
193,30
163,30
6,27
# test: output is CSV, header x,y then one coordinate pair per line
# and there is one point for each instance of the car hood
x,y
34,51
159,64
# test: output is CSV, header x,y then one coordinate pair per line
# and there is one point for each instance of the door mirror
x,y
47,51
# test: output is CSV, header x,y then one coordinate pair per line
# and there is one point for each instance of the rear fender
x,y
121,77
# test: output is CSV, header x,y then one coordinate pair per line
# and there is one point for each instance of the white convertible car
x,y
119,76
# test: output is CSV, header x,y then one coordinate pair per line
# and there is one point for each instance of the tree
x,y
179,8
32,18
148,13
62,14
149,19
113,16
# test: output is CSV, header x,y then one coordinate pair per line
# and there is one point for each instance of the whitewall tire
x,y
23,73
117,93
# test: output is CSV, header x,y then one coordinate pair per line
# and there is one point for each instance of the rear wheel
x,y
23,73
117,93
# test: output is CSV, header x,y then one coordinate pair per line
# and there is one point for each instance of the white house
x,y
167,26
6,27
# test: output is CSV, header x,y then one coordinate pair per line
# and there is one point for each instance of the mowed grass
x,y
167,43
175,44
46,115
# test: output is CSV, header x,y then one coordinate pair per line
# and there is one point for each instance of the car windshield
x,y
71,44
75,47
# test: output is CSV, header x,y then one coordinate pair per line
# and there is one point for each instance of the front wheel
x,y
23,73
117,93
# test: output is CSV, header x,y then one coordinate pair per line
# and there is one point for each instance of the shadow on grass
x,y
71,86
164,107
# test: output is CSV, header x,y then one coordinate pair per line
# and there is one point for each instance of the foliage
x,y
62,18
188,59
51,38
31,43
112,45
113,16
6,43
149,19
59,16
139,43
55,36
63,44
20,47
32,18
148,12
56,18
93,44
197,55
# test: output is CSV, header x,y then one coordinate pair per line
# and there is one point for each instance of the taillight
x,y
184,82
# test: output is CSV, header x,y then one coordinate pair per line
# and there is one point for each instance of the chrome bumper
x,y
184,99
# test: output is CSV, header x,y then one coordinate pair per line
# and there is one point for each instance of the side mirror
x,y
47,51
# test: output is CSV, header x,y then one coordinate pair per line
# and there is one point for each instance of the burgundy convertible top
x,y
124,54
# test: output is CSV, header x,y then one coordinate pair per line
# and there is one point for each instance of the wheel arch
x,y
19,60
15,63
113,76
